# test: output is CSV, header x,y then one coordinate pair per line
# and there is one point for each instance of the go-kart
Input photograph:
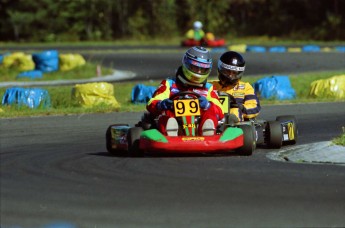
x,y
203,42
239,137
145,137
272,134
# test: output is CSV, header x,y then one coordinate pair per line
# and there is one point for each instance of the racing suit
x,y
243,92
169,87
196,35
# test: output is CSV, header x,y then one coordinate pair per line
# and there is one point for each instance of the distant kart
x,y
239,138
203,42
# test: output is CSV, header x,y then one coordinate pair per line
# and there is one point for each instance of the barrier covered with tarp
x,y
277,49
238,48
19,61
46,61
333,87
276,87
32,74
93,94
255,48
142,93
1,58
70,61
31,97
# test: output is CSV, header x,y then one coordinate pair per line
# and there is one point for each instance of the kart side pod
x,y
289,128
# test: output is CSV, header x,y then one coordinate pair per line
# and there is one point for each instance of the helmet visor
x,y
229,71
197,67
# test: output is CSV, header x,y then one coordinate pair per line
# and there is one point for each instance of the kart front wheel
x,y
274,134
108,143
133,138
249,143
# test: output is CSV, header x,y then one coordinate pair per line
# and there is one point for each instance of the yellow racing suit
x,y
243,92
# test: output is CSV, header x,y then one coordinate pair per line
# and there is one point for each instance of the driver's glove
x,y
241,107
235,104
204,103
165,104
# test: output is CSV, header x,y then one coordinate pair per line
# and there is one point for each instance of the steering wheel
x,y
183,94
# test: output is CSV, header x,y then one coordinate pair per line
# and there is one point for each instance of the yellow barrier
x,y
19,61
93,94
333,87
238,48
70,61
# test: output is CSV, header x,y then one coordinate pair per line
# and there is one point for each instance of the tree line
x,y
92,20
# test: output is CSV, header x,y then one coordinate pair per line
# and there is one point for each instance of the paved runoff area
x,y
320,152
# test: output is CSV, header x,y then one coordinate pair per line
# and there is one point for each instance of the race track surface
x,y
159,65
56,169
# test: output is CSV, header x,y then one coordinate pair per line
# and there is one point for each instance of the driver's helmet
x,y
196,65
197,25
231,66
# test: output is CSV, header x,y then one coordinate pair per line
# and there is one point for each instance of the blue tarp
x,y
256,49
142,93
311,48
277,87
277,49
340,48
31,97
46,61
32,74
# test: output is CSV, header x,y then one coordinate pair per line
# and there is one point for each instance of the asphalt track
x,y
55,170
158,65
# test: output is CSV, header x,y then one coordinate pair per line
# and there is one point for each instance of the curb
x,y
320,152
117,76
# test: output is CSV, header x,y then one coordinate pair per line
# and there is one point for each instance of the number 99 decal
x,y
186,107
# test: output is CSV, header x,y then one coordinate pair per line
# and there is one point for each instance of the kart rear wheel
x,y
108,142
249,143
274,134
293,119
133,138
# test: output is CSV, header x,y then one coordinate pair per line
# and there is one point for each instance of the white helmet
x,y
197,25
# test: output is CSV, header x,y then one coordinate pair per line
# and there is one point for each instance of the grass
x,y
86,71
63,104
340,140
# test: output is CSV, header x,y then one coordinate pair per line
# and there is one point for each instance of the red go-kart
x,y
231,137
203,42
146,138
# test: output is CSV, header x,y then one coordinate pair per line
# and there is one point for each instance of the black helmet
x,y
231,66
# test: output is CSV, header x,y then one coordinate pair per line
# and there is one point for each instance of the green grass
x,y
340,140
63,104
89,70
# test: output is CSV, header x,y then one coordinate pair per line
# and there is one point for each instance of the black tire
x,y
274,134
111,150
249,143
133,138
292,118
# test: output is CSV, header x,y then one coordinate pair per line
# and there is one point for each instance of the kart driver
x,y
191,76
196,33
246,105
